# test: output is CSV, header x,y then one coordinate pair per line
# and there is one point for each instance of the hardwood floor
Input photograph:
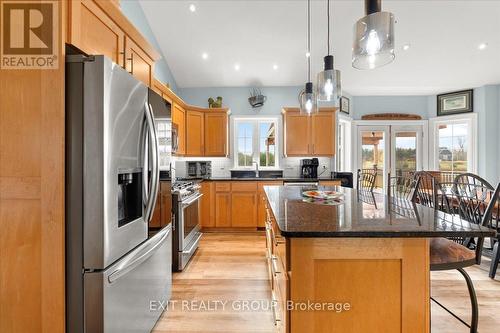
x,y
231,268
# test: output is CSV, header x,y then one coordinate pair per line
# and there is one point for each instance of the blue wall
x,y
133,11
390,104
237,98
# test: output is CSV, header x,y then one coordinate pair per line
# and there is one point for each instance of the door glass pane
x,y
453,141
405,152
267,144
245,138
372,154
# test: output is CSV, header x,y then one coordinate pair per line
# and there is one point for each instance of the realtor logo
x,y
29,35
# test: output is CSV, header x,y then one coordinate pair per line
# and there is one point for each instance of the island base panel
x,y
385,281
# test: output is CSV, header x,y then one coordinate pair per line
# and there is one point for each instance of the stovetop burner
x,y
185,189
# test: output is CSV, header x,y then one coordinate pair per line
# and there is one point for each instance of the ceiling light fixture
x,y
406,47
328,83
308,54
275,67
236,67
373,44
204,55
482,46
192,7
307,97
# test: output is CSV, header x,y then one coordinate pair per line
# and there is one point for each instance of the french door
x,y
396,149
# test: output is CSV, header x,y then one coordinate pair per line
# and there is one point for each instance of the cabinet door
x,y
194,133
297,134
222,209
323,134
179,118
137,62
207,204
244,209
93,31
156,218
165,201
216,133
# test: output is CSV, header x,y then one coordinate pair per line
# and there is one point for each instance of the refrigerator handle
x,y
145,166
155,170
134,262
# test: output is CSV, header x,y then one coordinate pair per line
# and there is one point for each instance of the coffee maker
x,y
309,168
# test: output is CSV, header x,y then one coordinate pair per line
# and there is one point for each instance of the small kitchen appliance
x,y
309,168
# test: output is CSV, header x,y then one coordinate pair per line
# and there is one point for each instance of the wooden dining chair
x,y
460,252
478,191
366,179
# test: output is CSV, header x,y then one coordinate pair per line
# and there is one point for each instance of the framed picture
x,y
454,102
344,104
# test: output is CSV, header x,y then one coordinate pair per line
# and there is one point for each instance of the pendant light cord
x,y
328,23
309,40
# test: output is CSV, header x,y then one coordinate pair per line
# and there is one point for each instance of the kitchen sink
x,y
253,174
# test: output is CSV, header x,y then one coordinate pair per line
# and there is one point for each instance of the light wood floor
x,y
232,268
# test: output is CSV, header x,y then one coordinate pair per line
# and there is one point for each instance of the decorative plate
x,y
330,202
324,195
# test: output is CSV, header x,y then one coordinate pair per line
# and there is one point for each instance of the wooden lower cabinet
x,y
244,209
162,213
229,204
330,183
223,209
207,205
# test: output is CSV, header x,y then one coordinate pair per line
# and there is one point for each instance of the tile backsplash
x,y
221,166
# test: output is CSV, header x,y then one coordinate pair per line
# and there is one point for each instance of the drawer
x,y
280,297
244,186
223,187
279,251
329,182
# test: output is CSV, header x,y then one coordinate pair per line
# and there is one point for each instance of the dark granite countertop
x,y
362,215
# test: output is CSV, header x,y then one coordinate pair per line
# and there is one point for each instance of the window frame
x,y
256,120
344,129
472,150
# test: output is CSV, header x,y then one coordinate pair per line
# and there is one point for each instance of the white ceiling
x,y
443,56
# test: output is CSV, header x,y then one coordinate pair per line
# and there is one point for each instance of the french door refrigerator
x,y
116,277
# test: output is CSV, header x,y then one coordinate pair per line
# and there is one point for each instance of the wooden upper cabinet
x,y
216,133
309,135
93,31
179,118
194,133
323,134
297,134
137,62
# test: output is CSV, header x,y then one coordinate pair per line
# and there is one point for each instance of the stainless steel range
x,y
186,206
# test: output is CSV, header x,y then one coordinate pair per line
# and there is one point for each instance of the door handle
x,y
153,188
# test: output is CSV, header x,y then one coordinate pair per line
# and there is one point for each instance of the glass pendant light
x,y
329,87
307,98
373,44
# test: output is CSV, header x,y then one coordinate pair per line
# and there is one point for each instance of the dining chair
x,y
456,253
402,187
426,191
477,191
366,179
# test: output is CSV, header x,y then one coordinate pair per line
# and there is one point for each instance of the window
x,y
454,145
255,141
344,144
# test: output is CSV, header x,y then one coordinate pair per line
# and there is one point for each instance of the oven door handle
x,y
195,243
187,203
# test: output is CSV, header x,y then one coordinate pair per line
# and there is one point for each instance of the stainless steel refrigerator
x,y
117,276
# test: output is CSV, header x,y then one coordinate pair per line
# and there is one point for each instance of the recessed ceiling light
x,y
236,67
192,7
204,55
406,47
308,54
275,67
482,46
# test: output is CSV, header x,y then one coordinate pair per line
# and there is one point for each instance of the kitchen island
x,y
361,265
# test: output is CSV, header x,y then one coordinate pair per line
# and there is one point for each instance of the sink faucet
x,y
256,168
